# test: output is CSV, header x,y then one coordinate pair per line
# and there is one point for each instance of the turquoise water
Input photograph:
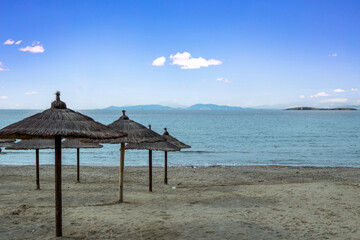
x,y
246,137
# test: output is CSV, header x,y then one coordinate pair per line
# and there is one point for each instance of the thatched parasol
x,y
56,123
162,145
34,144
154,146
75,143
175,142
136,133
6,142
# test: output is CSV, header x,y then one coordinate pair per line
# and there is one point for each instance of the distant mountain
x,y
161,107
212,107
140,107
310,108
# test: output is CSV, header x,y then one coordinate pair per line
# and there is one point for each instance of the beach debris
x,y
24,206
174,188
16,212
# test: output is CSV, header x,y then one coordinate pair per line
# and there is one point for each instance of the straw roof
x,y
136,132
173,140
6,142
58,121
75,143
168,143
155,146
33,144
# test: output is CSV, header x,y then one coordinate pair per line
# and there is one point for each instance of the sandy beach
x,y
245,202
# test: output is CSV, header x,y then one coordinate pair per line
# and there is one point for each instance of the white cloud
x,y
333,55
187,62
354,89
33,49
221,79
320,94
9,42
2,69
31,93
160,61
302,96
334,100
339,90
3,97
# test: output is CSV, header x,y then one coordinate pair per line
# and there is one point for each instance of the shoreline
x,y
182,166
240,202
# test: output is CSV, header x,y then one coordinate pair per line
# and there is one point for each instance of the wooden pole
x,y
78,164
122,163
58,203
150,170
37,170
166,179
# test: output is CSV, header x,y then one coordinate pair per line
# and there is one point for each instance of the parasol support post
x,y
37,170
150,167
150,171
166,178
78,164
121,176
58,202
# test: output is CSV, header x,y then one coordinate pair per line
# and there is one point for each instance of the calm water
x,y
246,137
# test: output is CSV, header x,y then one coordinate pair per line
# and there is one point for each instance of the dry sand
x,y
246,202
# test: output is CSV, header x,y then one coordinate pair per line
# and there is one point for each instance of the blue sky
x,y
239,53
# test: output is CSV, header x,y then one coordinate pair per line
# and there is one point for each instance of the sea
x,y
227,138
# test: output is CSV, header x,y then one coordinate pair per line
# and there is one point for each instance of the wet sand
x,y
245,202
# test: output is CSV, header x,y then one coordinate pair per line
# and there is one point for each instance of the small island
x,y
310,108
